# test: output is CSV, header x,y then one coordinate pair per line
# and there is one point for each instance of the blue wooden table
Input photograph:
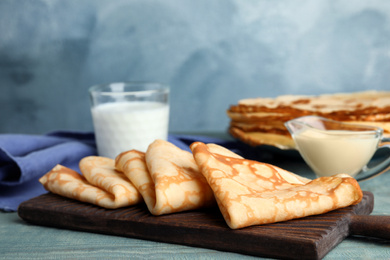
x,y
20,240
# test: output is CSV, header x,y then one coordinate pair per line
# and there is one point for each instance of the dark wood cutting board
x,y
307,238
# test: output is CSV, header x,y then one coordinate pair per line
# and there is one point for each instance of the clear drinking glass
x,y
129,115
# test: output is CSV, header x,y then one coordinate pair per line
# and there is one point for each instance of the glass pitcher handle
x,y
382,167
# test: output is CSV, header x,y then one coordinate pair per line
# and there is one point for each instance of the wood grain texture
x,y
371,226
307,238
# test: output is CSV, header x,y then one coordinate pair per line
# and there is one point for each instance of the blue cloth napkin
x,y
25,158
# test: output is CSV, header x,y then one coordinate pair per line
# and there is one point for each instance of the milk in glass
x,y
123,126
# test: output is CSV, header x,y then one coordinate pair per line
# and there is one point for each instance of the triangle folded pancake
x,y
133,164
101,184
167,177
254,193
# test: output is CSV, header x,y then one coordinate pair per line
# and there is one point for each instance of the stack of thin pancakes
x,y
170,180
260,121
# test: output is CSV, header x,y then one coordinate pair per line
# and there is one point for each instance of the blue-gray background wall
x,y
211,53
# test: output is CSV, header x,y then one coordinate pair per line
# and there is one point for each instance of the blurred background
x,y
211,53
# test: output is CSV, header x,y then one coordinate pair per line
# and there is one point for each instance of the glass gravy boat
x,y
330,147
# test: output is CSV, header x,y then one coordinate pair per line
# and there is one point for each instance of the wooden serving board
x,y
307,238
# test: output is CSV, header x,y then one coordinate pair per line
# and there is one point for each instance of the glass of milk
x,y
129,115
331,147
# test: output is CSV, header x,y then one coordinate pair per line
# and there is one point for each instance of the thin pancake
x,y
167,177
253,193
69,183
365,102
282,141
101,172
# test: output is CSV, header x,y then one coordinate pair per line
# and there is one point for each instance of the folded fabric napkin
x,y
26,158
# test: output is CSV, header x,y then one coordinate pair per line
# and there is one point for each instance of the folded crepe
x,y
254,193
167,177
101,184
